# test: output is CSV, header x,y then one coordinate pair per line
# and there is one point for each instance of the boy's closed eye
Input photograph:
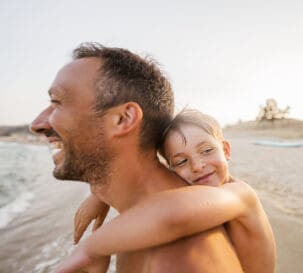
x,y
206,150
179,162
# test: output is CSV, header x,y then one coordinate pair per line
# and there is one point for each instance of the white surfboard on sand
x,y
276,143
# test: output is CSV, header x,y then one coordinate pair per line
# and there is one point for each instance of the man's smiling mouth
x,y
56,147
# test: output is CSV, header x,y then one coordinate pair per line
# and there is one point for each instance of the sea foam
x,y
12,209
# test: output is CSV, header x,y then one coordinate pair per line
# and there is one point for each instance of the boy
x,y
194,148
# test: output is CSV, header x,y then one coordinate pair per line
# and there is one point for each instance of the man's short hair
x,y
124,77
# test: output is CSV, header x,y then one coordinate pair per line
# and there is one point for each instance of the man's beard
x,y
92,167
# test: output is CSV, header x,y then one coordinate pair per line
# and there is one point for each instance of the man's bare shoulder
x,y
200,253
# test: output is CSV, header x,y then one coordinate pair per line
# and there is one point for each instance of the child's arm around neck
x,y
177,213
170,215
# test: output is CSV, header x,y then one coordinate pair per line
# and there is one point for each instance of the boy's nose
x,y
41,123
197,165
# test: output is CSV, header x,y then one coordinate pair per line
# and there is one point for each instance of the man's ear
x,y
226,149
126,118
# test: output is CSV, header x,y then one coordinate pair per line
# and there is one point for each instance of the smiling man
x,y
108,110
72,127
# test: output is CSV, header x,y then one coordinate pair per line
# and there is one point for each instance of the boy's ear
x,y
126,118
226,149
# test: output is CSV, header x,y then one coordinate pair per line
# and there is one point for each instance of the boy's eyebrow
x,y
177,154
201,143
198,145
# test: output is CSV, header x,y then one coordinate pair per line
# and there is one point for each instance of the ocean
x,y
36,210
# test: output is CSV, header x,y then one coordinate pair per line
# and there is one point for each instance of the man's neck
x,y
133,179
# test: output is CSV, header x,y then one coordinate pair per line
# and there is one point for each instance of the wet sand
x,y
42,235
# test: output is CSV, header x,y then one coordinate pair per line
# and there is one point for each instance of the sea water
x,y
17,178
36,210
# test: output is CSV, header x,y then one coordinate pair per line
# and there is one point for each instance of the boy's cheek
x,y
183,174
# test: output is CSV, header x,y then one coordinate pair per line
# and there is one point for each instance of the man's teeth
x,y
56,147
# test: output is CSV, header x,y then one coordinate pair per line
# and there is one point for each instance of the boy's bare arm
x,y
253,239
170,215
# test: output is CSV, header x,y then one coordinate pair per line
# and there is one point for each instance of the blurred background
x,y
225,57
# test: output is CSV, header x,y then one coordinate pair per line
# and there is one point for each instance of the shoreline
x,y
274,173
24,139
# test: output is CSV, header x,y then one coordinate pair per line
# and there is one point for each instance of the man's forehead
x,y
79,72
82,66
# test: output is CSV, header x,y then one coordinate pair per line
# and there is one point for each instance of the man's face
x,y
75,132
202,160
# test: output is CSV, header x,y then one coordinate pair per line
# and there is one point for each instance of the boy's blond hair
x,y
192,117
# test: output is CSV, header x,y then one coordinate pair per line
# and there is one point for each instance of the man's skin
x,y
208,252
105,151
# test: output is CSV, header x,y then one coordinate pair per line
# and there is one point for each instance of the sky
x,y
224,58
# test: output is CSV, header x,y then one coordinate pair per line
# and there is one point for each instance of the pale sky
x,y
223,57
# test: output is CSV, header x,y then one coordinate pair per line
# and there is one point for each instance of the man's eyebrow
x,y
50,91
54,91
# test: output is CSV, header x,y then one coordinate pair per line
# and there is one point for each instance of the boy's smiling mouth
x,y
202,180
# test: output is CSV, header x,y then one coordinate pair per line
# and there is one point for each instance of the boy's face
x,y
201,160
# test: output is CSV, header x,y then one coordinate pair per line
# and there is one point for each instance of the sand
x,y
275,173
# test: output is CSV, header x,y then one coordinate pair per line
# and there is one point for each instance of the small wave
x,y
9,211
41,266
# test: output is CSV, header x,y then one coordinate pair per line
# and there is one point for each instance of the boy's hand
x,y
80,261
90,209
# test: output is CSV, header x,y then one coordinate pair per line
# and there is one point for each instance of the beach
x,y
276,175
37,238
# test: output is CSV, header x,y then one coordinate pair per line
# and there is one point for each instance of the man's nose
x,y
41,123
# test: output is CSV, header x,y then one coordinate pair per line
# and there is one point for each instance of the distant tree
x,y
271,111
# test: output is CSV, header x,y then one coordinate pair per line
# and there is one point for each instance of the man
x,y
108,110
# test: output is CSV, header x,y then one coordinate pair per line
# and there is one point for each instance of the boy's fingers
x,y
98,222
100,218
79,232
77,238
80,225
